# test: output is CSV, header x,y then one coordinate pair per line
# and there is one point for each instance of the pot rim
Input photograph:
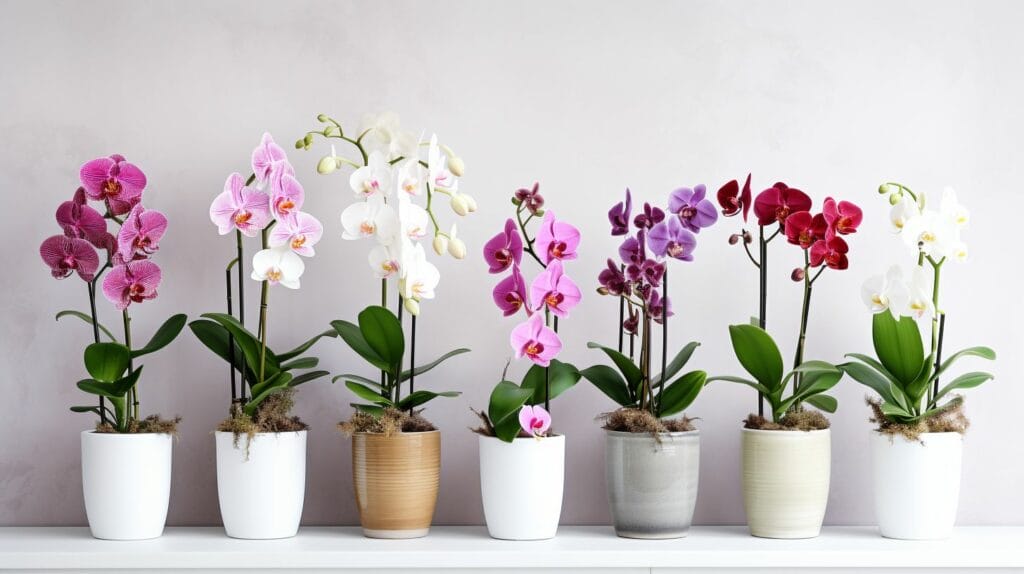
x,y
397,434
520,439
694,432
787,432
127,435
232,433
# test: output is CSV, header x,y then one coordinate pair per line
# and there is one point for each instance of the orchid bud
x,y
895,198
884,189
797,275
322,118
308,140
299,144
459,204
456,166
326,165
470,202
602,290
412,306
734,239
516,201
747,237
457,248
440,244
328,130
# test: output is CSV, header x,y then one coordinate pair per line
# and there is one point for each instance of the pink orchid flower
x,y
131,282
535,340
535,420
300,231
114,181
510,294
80,221
67,254
286,196
553,288
556,239
269,159
504,249
141,233
240,207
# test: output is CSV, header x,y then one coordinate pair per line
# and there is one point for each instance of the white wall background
x,y
587,98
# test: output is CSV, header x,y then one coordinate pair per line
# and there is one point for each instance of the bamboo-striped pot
x,y
396,480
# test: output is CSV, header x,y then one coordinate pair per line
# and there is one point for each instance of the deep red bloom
x,y
732,200
804,229
844,217
774,204
831,251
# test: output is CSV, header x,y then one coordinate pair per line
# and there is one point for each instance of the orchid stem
x,y
231,338
131,367
622,315
664,339
412,360
527,242
384,303
798,359
398,383
241,308
96,338
763,299
264,289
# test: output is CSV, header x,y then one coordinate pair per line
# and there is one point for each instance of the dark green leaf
x,y
353,337
609,382
681,393
816,377
629,370
560,378
278,381
307,377
503,409
215,337
898,346
964,381
305,346
677,363
877,381
426,367
760,388
122,386
896,413
87,319
418,398
916,389
92,409
383,333
826,403
758,354
107,362
250,345
252,406
163,336
303,363
358,379
100,388
367,394
983,352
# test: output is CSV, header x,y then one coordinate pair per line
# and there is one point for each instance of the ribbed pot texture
x,y
396,479
785,481
652,482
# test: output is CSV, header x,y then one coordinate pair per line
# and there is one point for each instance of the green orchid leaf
x,y
816,377
758,354
609,382
729,379
629,370
301,363
428,366
916,389
383,333
677,363
353,337
827,403
897,413
368,394
681,393
898,346
374,410
107,362
307,377
417,398
125,384
559,378
87,319
164,335
278,381
964,381
250,345
507,399
92,409
983,352
357,378
877,380
252,406
215,337
305,346
101,388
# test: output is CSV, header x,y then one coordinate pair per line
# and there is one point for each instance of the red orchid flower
x,y
804,229
732,200
844,217
774,204
831,251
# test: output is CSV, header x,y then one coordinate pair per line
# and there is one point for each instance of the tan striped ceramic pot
x,y
785,481
396,480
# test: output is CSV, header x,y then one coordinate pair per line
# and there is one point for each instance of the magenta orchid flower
x,y
649,271
286,196
510,294
534,420
692,208
556,239
80,221
634,249
831,251
776,203
505,249
619,215
536,341
141,233
555,290
268,159
240,207
844,217
300,231
114,181
650,217
131,282
672,239
65,255
660,308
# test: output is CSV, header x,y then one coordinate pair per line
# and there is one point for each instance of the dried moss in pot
x,y
792,421
389,422
950,418
642,421
153,424
273,415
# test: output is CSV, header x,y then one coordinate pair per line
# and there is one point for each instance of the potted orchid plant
x,y
522,461
919,438
787,453
652,461
126,458
395,450
261,481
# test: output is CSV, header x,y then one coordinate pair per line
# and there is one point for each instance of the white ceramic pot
x,y
917,484
126,481
261,483
521,485
785,481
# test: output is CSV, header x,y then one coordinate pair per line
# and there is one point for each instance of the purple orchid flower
x,y
694,210
141,233
670,238
634,249
650,272
556,239
80,221
530,198
269,159
554,289
632,323
660,308
510,294
286,196
114,181
300,231
240,207
536,341
649,218
65,255
613,280
504,249
131,282
619,215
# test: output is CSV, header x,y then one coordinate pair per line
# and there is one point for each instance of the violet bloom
x,y
554,289
114,181
649,218
556,239
65,255
693,208
240,207
131,282
670,238
141,233
530,198
632,323
80,221
634,249
534,420
535,340
300,231
619,215
286,196
659,308
504,249
613,280
510,294
650,271
268,159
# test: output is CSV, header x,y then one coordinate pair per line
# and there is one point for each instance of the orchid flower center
x,y
833,257
135,292
410,185
687,212
880,300
554,299
274,275
418,289
389,267
371,185
557,249
533,348
536,424
298,241
112,187
805,238
285,205
918,307
781,213
242,217
674,249
514,300
844,224
143,243
503,256
927,237
367,228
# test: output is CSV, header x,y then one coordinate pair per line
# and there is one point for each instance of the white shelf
x,y
468,549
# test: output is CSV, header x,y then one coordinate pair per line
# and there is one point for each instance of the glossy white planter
x,y
917,484
785,481
261,484
126,481
521,485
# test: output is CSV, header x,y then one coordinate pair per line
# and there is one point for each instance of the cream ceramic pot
x,y
396,479
521,485
785,481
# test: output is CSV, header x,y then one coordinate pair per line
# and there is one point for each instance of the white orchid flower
x,y
419,276
950,208
278,265
440,177
370,218
374,178
886,292
410,177
415,220
959,252
932,233
903,211
920,304
385,261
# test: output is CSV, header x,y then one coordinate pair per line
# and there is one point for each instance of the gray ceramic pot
x,y
652,483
